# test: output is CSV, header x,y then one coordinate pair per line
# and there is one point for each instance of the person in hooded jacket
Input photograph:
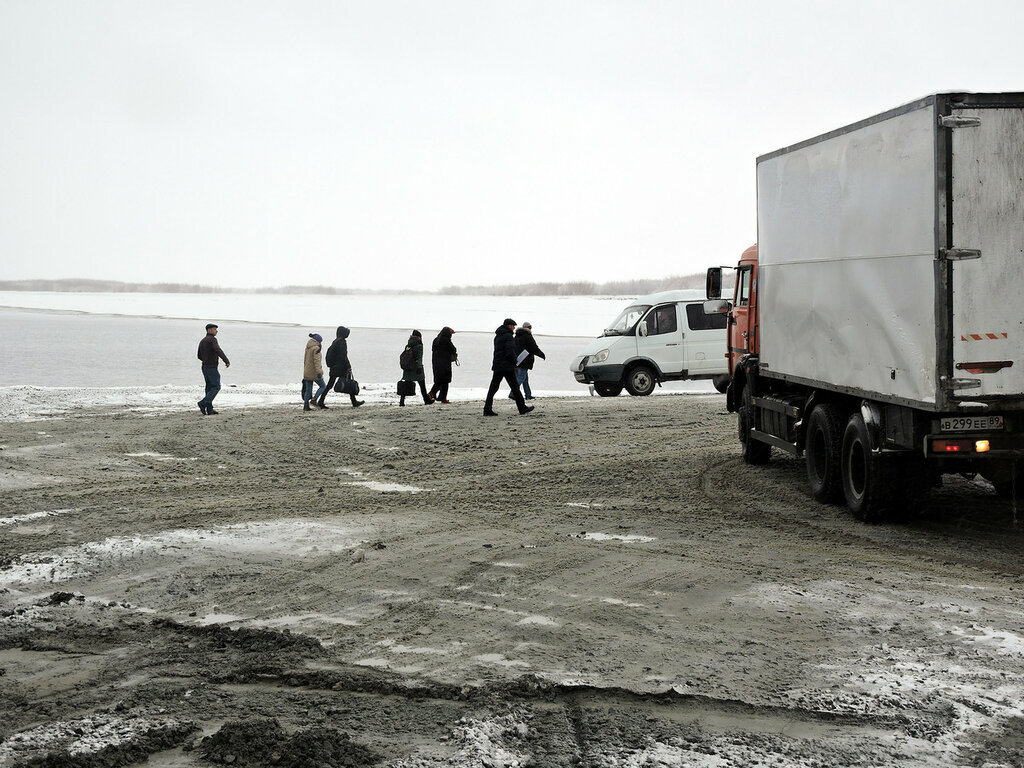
x,y
504,367
526,343
416,372
312,370
338,364
442,354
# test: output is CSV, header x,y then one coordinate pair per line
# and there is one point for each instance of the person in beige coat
x,y
312,371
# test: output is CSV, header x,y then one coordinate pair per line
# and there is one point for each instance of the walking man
x,y
209,355
524,363
504,367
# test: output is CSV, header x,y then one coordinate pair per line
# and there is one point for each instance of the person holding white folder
x,y
526,351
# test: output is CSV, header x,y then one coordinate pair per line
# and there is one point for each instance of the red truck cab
x,y
741,331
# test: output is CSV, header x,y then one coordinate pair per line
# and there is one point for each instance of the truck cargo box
x,y
892,254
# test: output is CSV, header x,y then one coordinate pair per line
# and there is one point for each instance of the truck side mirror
x,y
713,285
641,327
717,306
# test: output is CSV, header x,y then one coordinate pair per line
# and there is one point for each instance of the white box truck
x,y
877,327
662,337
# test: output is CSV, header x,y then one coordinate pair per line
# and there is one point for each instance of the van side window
x,y
743,287
662,320
698,321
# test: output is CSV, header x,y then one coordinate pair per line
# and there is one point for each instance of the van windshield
x,y
626,321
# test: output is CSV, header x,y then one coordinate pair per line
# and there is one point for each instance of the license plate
x,y
970,423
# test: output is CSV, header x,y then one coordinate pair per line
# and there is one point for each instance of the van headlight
x,y
600,357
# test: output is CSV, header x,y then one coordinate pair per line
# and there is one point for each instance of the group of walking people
x,y
514,355
443,355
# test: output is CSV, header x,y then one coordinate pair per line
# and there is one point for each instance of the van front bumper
x,y
592,374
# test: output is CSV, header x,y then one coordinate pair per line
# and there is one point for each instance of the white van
x,y
662,337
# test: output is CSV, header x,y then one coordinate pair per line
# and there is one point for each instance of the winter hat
x,y
316,336
417,334
210,325
527,324
447,329
509,321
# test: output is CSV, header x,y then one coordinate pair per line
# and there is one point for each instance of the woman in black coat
x,y
340,367
442,354
415,372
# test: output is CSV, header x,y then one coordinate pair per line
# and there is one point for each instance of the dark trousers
x,y
330,388
212,379
423,389
439,390
496,379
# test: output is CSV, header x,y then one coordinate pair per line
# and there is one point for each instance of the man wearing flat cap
x,y
504,367
210,354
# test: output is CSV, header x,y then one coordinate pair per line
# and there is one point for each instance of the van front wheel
x,y
640,381
607,389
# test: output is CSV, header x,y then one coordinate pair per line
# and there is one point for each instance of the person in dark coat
x,y
338,364
504,367
526,343
442,355
415,372
209,354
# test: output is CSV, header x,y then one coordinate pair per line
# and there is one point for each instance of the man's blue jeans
x,y
523,377
212,377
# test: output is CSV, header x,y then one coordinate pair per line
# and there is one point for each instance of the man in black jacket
x,y
338,364
504,367
526,343
209,354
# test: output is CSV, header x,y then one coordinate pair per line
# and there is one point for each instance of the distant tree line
x,y
635,287
78,285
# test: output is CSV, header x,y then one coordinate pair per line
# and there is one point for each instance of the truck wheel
x,y
1006,485
606,389
640,381
823,445
722,382
867,480
914,487
754,451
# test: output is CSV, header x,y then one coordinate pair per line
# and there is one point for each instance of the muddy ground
x,y
600,583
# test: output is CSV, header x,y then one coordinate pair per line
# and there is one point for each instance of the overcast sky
x,y
402,145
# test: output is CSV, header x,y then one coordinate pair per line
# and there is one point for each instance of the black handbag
x,y
406,387
347,386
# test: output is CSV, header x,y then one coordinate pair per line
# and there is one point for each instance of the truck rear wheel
x,y
640,381
608,389
823,448
867,479
754,451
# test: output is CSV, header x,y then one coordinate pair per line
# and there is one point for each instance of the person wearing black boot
x,y
442,355
340,368
414,371
504,367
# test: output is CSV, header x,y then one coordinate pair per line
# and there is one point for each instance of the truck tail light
x,y
959,445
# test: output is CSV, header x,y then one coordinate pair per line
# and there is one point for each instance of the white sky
x,y
383,144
